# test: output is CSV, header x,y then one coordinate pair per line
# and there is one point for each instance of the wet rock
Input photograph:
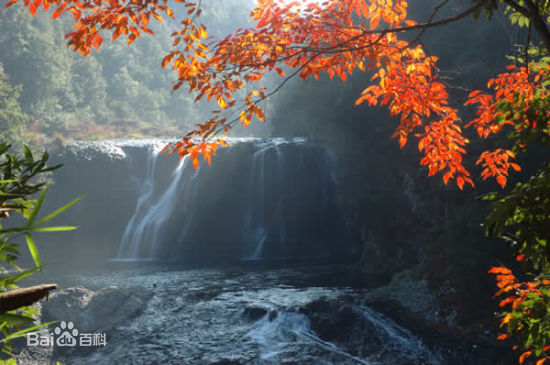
x,y
254,313
36,355
226,362
93,311
343,326
411,294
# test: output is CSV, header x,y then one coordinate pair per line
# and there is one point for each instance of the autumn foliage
x,y
516,105
527,316
335,37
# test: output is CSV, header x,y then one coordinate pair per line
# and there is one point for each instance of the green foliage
x,y
102,94
21,176
12,118
522,217
529,321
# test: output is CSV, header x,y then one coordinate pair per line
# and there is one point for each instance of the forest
x,y
275,182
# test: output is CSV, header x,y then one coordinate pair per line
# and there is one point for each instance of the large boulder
x,y
93,311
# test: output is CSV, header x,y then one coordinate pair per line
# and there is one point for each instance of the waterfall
x,y
145,227
262,199
127,248
255,229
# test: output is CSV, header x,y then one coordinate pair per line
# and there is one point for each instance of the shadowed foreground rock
x,y
91,311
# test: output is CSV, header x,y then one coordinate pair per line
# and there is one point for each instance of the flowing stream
x,y
244,315
262,231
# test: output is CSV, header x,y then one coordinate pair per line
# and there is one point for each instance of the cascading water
x,y
152,211
262,199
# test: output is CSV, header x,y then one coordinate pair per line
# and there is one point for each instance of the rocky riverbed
x,y
256,315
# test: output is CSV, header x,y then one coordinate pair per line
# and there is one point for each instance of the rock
x,y
93,311
412,294
35,355
342,325
254,313
226,362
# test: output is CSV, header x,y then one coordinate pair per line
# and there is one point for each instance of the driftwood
x,y
21,297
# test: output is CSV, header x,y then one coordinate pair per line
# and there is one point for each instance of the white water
x,y
276,195
255,228
274,335
147,222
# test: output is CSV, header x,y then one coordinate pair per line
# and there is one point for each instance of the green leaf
x,y
58,211
51,168
54,229
24,274
32,249
11,230
28,155
24,331
36,208
11,318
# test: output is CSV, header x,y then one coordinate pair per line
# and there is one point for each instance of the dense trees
x,y
12,118
119,92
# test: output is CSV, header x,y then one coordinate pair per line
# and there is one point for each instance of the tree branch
x,y
21,297
517,7
539,23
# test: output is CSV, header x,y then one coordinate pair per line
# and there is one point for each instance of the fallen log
x,y
21,297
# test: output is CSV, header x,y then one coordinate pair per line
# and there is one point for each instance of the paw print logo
x,y
66,334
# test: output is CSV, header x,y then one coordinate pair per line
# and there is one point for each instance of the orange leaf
x,y
32,8
279,71
520,257
501,179
58,11
460,182
499,270
195,163
524,356
402,141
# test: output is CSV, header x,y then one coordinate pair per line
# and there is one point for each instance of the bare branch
x,y
21,297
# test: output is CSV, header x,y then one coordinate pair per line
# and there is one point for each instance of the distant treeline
x,y
46,89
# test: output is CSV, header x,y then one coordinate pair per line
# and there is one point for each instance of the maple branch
x,y
335,48
382,32
450,19
292,75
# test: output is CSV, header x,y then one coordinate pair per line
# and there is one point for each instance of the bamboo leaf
x,y
24,331
36,208
55,229
28,155
32,249
9,317
58,211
